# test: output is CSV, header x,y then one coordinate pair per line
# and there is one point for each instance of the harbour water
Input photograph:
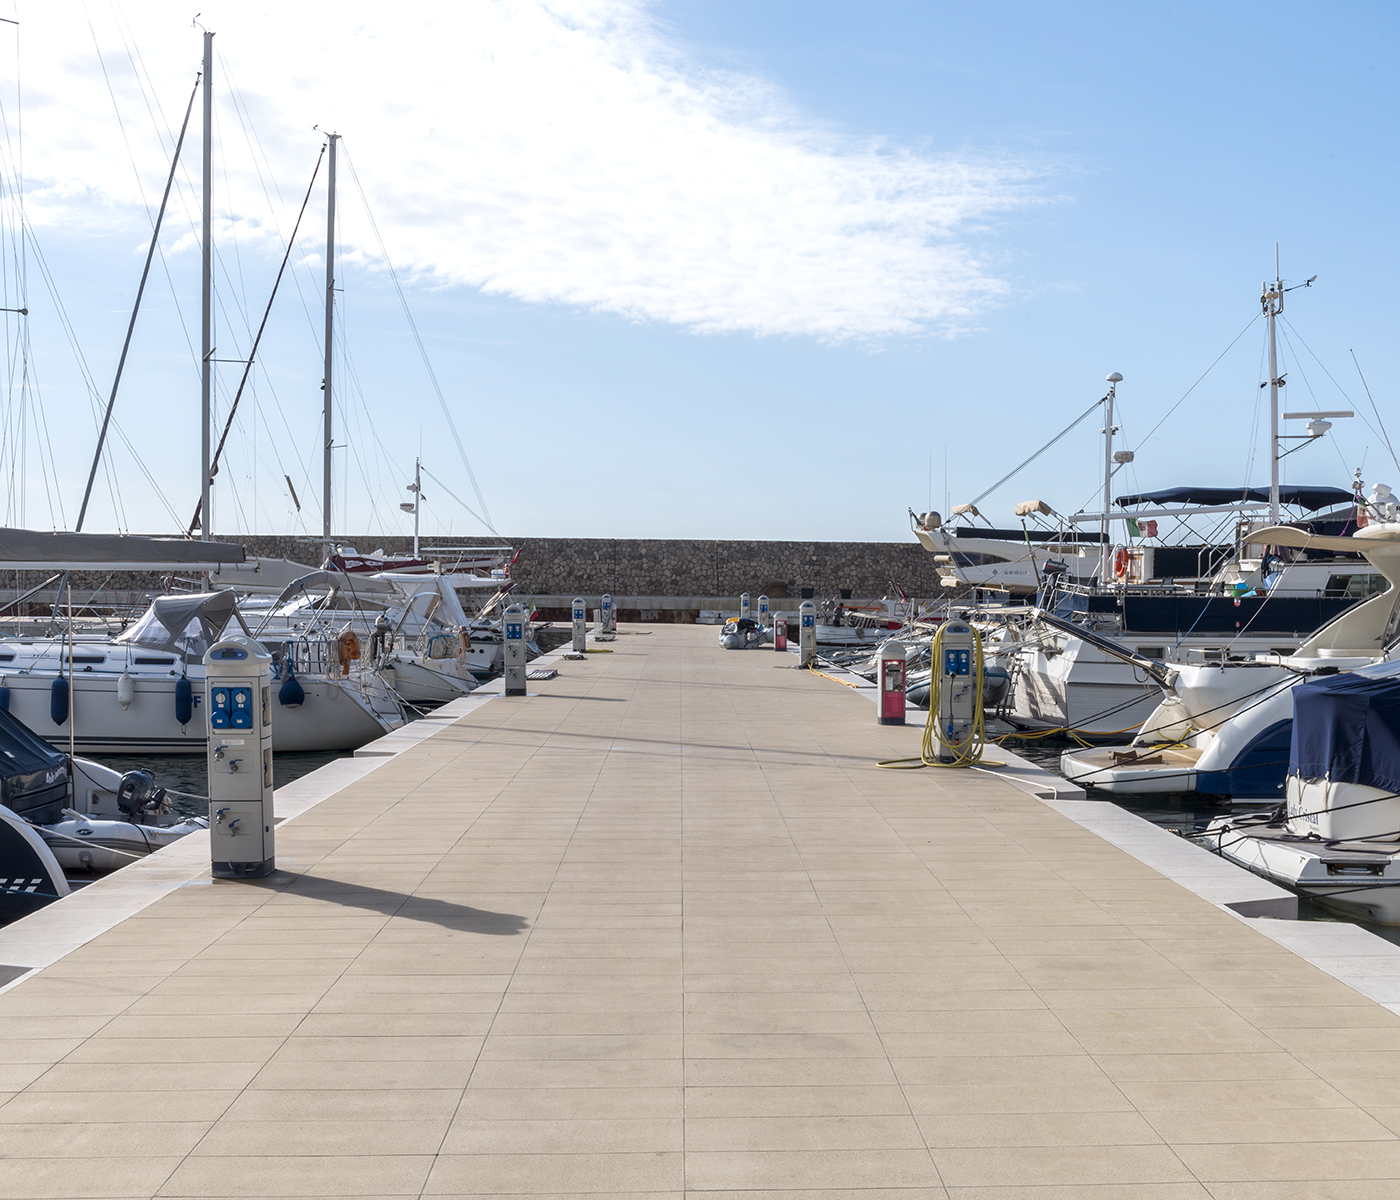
x,y
187,776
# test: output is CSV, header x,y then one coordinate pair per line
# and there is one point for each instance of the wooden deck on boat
x,y
662,929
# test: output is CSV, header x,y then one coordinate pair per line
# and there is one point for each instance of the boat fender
x,y
184,700
464,641
58,701
126,689
347,649
291,693
4,697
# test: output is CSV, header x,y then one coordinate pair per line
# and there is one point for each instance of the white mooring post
x,y
744,607
580,614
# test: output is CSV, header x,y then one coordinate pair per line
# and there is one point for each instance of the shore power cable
x,y
955,733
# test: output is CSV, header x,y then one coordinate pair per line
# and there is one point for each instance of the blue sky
x,y
768,262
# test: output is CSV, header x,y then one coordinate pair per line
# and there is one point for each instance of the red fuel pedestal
x,y
779,633
890,681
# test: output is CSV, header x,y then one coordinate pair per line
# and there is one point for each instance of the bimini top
x,y
187,624
1294,495
1346,728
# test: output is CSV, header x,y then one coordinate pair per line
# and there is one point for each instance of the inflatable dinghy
x,y
743,633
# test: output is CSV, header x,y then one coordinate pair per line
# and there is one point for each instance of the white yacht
x,y
1252,598
142,691
1336,837
1225,728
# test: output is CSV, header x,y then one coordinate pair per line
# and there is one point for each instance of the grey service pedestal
x,y
238,704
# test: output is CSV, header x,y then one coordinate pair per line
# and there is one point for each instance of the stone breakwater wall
x,y
666,567
652,567
674,566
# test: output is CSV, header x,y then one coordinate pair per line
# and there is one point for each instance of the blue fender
x,y
184,700
58,701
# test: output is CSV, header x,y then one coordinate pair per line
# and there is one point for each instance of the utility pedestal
x,y
957,689
580,615
807,634
513,627
890,680
238,700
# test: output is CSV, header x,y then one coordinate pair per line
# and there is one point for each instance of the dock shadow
x,y
444,913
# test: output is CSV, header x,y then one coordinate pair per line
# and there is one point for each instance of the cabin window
x,y
153,662
87,658
1156,652
1354,587
7,657
964,558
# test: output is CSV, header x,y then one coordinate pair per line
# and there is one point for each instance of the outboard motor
x,y
138,796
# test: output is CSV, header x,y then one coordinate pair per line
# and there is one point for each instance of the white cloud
x,y
550,152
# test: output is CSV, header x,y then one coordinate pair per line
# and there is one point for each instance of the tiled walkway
x,y
663,929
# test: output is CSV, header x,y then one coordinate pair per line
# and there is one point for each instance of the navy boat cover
x,y
1294,495
1346,728
33,775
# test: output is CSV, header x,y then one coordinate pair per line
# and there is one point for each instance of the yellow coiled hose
x,y
969,754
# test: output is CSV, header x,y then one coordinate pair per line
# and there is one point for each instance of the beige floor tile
x,y
845,1132
611,1174
1039,1129
1066,1165
756,1171
81,1178
319,1175
581,1135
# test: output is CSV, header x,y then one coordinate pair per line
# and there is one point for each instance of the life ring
x,y
1120,563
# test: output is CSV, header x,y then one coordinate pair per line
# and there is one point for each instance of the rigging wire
x,y
257,340
1384,433
484,516
1037,454
135,310
1198,382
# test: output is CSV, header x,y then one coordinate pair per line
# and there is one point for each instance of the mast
x,y
326,385
1272,300
417,500
206,314
1109,430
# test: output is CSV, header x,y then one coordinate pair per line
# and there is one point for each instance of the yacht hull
x,y
332,717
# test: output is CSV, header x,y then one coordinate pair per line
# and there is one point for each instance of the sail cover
x,y
183,624
1294,495
30,549
1346,728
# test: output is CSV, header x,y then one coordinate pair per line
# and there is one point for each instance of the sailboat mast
x,y
330,310
1109,429
206,314
417,500
1272,300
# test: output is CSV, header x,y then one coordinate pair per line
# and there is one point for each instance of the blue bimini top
x,y
1346,728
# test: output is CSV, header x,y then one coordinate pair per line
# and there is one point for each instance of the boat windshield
x,y
187,625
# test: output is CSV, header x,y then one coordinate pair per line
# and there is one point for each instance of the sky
x,y
692,269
